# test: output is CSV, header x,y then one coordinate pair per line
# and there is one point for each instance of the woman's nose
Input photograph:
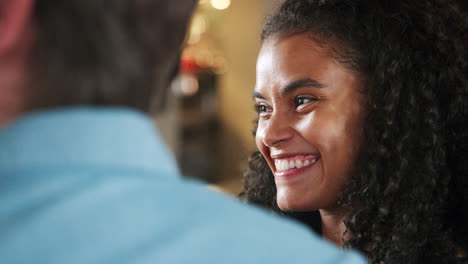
x,y
276,130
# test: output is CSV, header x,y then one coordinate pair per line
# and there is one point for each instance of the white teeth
x,y
299,163
284,165
279,165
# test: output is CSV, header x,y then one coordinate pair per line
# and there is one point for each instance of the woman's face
x,y
310,120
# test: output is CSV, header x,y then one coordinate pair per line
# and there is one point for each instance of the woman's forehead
x,y
284,60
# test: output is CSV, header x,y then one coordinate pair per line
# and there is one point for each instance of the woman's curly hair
x,y
408,197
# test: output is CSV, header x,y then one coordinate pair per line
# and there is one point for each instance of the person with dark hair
x,y
362,125
84,177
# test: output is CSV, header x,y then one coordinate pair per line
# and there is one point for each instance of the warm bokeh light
x,y
186,85
198,27
220,4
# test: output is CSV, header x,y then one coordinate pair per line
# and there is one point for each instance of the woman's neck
x,y
333,227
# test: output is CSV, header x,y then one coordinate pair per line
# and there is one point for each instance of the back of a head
x,y
106,52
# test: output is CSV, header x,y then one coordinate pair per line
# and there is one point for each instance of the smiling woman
x,y
362,126
294,96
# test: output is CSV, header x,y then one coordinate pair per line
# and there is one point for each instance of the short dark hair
x,y
409,194
106,52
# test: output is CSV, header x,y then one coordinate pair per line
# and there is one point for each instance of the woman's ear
x,y
15,18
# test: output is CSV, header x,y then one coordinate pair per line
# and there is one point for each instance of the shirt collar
x,y
85,137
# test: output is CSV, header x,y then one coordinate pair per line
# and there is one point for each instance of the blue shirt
x,y
97,185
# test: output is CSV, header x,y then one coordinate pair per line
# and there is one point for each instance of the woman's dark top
x,y
312,220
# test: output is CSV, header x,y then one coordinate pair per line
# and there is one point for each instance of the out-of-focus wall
x,y
239,36
241,25
240,39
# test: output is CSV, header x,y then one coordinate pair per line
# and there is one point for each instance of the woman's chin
x,y
293,206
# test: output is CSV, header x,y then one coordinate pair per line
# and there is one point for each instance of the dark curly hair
x,y
408,198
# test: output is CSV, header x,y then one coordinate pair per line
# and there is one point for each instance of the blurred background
x,y
209,114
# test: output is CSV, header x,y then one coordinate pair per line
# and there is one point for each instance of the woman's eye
x,y
261,108
300,100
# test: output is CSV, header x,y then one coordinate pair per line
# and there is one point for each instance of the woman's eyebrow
x,y
307,82
257,95
296,84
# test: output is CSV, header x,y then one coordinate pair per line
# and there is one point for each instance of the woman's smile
x,y
290,165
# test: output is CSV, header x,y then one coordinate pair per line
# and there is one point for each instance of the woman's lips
x,y
292,165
